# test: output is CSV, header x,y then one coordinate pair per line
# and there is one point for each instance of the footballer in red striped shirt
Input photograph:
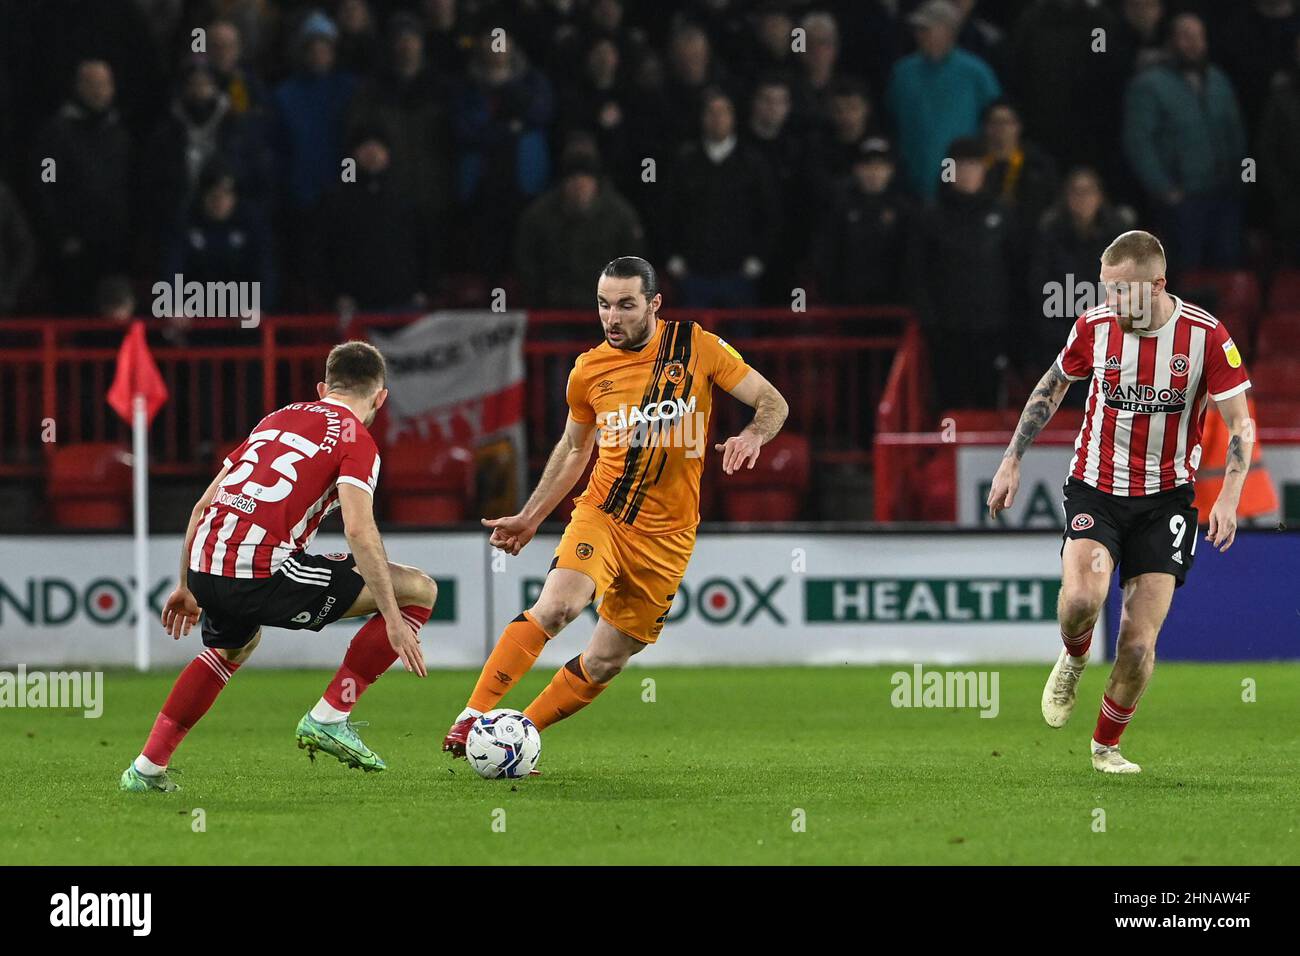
x,y
1154,364
244,565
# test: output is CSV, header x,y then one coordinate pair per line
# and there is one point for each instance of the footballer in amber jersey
x,y
641,401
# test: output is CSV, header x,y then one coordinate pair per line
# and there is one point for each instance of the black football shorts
x,y
307,591
1144,534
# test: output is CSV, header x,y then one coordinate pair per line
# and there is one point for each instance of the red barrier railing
x,y
915,460
831,364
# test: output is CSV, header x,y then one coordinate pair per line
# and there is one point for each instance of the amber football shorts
x,y
636,574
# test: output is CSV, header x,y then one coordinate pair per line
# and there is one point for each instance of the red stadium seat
x,y
1284,292
1279,414
1234,292
1279,333
427,483
1275,377
980,419
774,489
937,481
90,486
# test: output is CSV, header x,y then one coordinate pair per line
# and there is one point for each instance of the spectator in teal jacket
x,y
1185,140
936,95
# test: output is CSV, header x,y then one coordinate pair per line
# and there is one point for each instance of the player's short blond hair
x,y
1141,248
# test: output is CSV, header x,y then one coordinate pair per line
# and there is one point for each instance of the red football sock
x,y
368,656
1078,646
1111,721
193,693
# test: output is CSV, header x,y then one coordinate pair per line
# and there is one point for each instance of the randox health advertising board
x,y
746,599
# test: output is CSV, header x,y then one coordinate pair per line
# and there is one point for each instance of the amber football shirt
x,y
652,407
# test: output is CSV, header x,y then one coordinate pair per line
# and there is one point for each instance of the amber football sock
x,y
515,654
570,690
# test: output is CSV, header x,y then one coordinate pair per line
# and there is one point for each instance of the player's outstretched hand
x,y
180,613
1223,525
510,534
1005,485
407,645
737,450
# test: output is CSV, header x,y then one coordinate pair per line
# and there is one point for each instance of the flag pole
x,y
140,447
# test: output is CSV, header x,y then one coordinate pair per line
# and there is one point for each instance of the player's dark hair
x,y
632,267
356,368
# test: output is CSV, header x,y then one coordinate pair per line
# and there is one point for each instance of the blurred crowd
x,y
384,155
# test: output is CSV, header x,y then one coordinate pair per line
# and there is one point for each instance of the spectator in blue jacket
x,y
201,127
1185,141
221,238
312,106
936,95
500,117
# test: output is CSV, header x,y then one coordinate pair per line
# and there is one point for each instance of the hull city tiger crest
x,y
675,372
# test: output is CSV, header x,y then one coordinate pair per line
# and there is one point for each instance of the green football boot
x,y
133,781
338,739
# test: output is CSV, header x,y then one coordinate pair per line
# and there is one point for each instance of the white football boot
x,y
1110,760
1061,691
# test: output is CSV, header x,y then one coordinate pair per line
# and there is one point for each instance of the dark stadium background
x,y
904,314
882,300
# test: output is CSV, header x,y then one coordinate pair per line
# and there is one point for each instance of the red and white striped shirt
x,y
1141,430
282,482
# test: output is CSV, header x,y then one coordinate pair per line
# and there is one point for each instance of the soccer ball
x,y
503,743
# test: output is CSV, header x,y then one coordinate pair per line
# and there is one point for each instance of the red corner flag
x,y
136,375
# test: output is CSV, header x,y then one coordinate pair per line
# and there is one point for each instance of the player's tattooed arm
x,y
1237,463
1241,445
769,415
769,405
1042,405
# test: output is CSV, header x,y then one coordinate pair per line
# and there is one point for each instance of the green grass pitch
x,y
712,771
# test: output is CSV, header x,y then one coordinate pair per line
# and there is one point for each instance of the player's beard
x,y
1141,313
642,336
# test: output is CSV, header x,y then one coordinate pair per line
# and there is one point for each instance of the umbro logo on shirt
x,y
606,385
